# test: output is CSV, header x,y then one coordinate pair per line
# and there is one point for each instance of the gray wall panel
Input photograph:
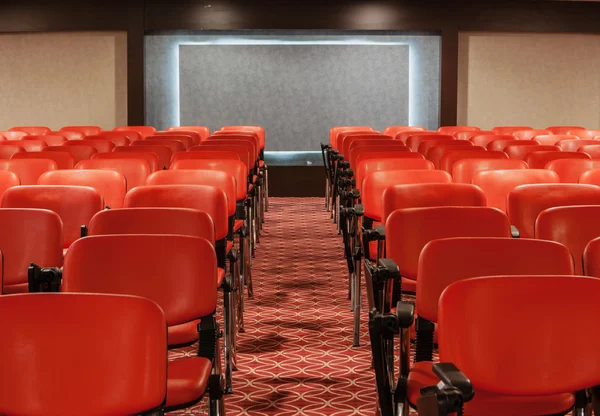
x,y
296,92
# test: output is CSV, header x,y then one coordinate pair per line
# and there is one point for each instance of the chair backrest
x,y
546,139
9,148
49,139
28,236
530,134
194,135
381,165
346,140
236,168
539,160
492,360
13,135
361,154
219,179
28,170
135,171
591,258
455,129
85,130
485,139
395,130
375,183
467,135
32,145
69,135
408,230
162,152
415,140
563,129
75,205
64,160
569,170
403,136
572,145
208,154
464,170
450,157
426,145
110,184
178,221
8,179
81,151
144,131
148,157
573,226
445,261
510,129
200,197
591,149
186,139
258,130
501,144
590,177
333,133
584,134
430,195
32,130
174,145
99,143
203,131
241,151
58,331
227,140
437,152
119,138
526,202
497,184
516,151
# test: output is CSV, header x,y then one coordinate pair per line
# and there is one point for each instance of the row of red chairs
x,y
170,226
420,233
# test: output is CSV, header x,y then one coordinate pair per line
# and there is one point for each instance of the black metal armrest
x,y
44,279
514,231
405,313
359,209
452,376
380,230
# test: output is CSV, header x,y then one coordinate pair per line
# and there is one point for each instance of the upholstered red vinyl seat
x,y
28,170
150,157
539,159
81,151
450,157
135,171
164,153
569,170
464,170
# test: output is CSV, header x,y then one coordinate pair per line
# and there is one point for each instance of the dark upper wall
x,y
447,18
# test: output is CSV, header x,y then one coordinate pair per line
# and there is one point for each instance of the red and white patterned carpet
x,y
296,357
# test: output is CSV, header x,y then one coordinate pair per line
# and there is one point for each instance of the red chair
x,y
395,130
403,137
467,135
144,131
497,184
437,152
242,151
75,205
591,258
591,149
67,134
572,145
22,244
210,155
414,141
149,157
60,330
569,170
8,179
456,129
162,152
32,130
398,151
85,130
590,177
572,226
509,129
64,160
8,149
563,129
525,202
81,151
100,144
32,145
248,141
196,138
501,144
28,170
464,170
531,134
174,145
452,156
584,134
539,159
427,145
333,133
119,138
365,167
13,135
485,139
407,231
178,273
544,385
553,139
186,140
259,131
135,171
516,151
110,184
199,132
445,261
49,139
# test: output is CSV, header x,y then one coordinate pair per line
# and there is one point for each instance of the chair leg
x,y
266,170
356,307
239,295
216,405
229,330
248,268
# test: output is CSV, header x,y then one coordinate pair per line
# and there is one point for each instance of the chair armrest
x,y
453,377
405,313
380,230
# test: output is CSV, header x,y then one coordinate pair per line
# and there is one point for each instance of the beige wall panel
x,y
58,79
529,79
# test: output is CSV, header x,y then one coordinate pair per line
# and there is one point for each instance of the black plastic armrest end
x,y
359,209
405,311
380,230
452,376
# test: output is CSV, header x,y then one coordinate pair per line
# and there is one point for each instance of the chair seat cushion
x,y
489,404
183,334
237,225
409,285
187,380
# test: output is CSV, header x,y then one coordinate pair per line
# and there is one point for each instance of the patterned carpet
x,y
296,357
